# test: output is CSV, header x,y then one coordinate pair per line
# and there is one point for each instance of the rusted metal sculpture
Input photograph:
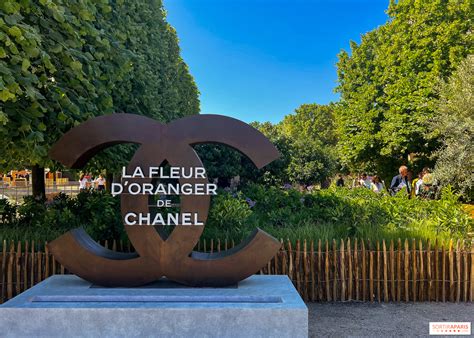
x,y
157,255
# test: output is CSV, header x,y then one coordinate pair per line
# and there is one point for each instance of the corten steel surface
x,y
157,256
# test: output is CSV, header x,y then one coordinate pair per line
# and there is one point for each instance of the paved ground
x,y
382,320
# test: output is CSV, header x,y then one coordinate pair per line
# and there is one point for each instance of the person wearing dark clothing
x,y
340,181
401,181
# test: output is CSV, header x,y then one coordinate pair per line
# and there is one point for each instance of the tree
x,y
275,172
221,162
310,162
454,125
388,82
306,141
64,62
311,121
312,136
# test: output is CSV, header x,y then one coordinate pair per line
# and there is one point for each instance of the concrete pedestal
x,y
66,306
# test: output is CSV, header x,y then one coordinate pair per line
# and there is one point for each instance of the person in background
x,y
82,182
365,181
377,185
100,183
427,188
415,183
340,181
419,182
401,181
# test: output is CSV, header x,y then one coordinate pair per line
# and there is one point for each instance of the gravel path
x,y
383,320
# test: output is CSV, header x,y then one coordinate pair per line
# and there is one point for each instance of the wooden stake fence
x,y
344,270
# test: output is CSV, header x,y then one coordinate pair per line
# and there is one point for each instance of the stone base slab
x,y
67,306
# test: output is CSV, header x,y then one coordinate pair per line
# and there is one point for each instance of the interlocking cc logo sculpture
x,y
158,255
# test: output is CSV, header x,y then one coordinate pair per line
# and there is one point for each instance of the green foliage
x,y
312,139
388,82
325,214
340,213
306,142
229,211
454,125
311,122
310,162
62,62
97,212
7,211
220,161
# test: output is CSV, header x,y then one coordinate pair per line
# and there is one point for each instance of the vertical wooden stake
x,y
407,270
349,270
371,273
428,270
458,271
399,271
451,271
320,272
343,268
326,273
25,267
54,265
46,261
378,277
297,266
284,269
18,269
335,275
364,272
306,269
356,269
33,260
275,260
443,272
421,295
4,265
466,276
471,295
436,270
385,273
10,271
290,262
312,266
414,269
40,265
393,294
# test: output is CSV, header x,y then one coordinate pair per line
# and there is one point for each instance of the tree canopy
x,y
62,62
454,125
388,82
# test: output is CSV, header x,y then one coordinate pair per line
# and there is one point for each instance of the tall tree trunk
x,y
37,182
109,179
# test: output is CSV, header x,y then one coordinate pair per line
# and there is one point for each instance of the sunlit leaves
x,y
388,82
62,62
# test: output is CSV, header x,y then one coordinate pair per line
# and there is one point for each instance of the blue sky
x,y
258,60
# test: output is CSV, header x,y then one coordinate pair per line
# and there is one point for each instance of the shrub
x,y
339,213
229,211
7,212
98,213
325,214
